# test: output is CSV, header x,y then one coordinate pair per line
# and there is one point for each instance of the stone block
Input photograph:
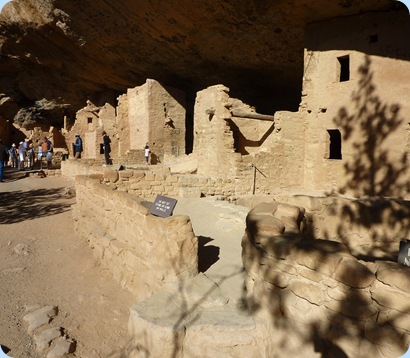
x,y
395,275
40,317
149,176
62,348
287,210
264,209
190,192
392,298
351,308
125,174
308,291
354,274
44,338
391,339
263,225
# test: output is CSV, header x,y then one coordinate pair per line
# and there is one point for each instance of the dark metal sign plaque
x,y
163,206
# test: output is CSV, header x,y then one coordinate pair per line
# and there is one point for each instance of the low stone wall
x,y
145,253
321,300
149,181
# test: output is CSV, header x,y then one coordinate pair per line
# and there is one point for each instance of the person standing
x,y
30,156
13,156
107,147
147,151
78,146
21,155
49,150
3,158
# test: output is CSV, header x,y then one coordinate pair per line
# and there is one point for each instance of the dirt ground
x,y
43,262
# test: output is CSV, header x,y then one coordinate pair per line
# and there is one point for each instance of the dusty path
x,y
43,262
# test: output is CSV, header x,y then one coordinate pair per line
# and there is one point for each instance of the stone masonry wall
x,y
149,181
319,299
145,253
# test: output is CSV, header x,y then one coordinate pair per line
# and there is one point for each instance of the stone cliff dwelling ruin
x,y
327,186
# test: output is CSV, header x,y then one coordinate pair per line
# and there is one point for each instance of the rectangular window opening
x,y
335,144
89,120
344,68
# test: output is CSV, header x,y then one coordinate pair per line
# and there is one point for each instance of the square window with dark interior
x,y
89,120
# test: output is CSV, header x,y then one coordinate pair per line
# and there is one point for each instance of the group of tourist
x,y
105,148
23,156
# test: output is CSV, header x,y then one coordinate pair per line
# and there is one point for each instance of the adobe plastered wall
x,y
320,300
145,253
368,107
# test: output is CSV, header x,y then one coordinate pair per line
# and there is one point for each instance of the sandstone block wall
x,y
318,297
145,253
149,181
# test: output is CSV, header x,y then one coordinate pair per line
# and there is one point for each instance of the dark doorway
x,y
344,68
335,144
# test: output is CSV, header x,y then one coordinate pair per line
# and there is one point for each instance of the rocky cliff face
x,y
55,54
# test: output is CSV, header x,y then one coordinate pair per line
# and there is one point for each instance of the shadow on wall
x,y
241,142
344,318
373,173
18,206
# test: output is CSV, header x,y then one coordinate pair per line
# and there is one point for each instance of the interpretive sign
x,y
404,252
163,206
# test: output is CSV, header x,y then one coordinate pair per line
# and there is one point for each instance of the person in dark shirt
x,y
78,146
107,148
3,158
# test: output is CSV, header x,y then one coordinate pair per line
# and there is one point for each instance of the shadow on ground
x,y
18,206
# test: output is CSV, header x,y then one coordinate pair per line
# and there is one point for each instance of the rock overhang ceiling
x,y
55,54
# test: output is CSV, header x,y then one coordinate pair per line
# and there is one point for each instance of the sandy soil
x,y
43,262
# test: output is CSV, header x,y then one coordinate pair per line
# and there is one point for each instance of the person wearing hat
x,y
78,146
13,156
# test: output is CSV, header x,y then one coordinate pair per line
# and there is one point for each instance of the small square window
x,y
89,120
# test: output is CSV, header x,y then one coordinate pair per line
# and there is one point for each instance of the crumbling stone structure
x,y
149,114
90,122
